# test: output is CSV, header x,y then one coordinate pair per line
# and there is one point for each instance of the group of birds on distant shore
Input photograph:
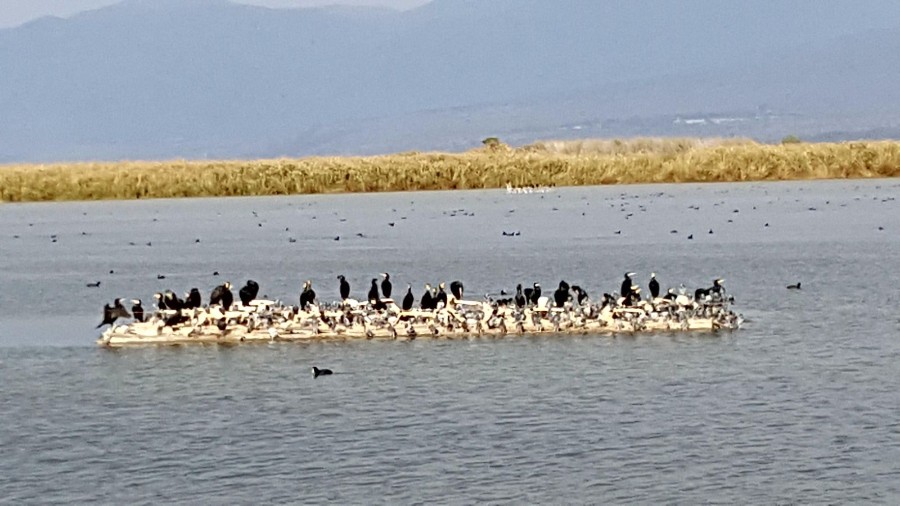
x,y
170,306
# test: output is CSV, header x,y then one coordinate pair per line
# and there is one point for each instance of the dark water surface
x,y
800,406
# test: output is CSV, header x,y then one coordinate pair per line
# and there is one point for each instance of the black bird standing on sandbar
x,y
520,297
160,301
248,292
533,294
409,299
457,289
307,296
427,301
222,295
626,285
172,300
561,295
344,288
373,291
441,296
580,294
137,310
193,300
654,285
111,313
386,287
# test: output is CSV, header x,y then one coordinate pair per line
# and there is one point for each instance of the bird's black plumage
x,y
172,300
193,300
137,311
373,291
580,295
441,297
520,297
386,287
561,295
533,293
248,292
160,301
654,286
457,289
427,301
408,299
222,295
112,313
307,296
321,372
344,287
626,285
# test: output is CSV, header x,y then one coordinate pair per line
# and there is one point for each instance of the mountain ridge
x,y
211,78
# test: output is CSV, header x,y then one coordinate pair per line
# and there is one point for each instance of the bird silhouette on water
x,y
316,372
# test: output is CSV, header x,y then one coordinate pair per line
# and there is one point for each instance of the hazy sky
x,y
16,12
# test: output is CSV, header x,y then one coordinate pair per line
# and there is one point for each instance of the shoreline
x,y
544,164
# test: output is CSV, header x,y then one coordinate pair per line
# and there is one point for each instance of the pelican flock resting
x,y
569,310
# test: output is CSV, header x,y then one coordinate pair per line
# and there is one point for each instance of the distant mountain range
x,y
212,79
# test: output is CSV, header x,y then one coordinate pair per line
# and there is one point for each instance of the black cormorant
x,y
408,299
441,296
307,296
345,287
654,286
373,291
794,287
670,295
427,301
633,297
222,295
172,300
193,300
717,287
160,302
111,313
580,295
386,287
520,297
248,292
533,294
561,295
626,284
457,289
321,372
137,310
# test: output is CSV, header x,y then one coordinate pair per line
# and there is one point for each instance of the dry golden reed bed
x,y
561,163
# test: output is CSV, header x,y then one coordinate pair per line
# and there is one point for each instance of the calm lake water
x,y
800,406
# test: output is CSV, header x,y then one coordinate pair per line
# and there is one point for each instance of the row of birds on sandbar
x,y
433,298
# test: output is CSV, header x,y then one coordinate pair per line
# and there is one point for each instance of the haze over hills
x,y
208,78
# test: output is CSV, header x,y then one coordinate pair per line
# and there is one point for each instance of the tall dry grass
x,y
561,163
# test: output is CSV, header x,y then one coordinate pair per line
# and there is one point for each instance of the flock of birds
x,y
568,306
